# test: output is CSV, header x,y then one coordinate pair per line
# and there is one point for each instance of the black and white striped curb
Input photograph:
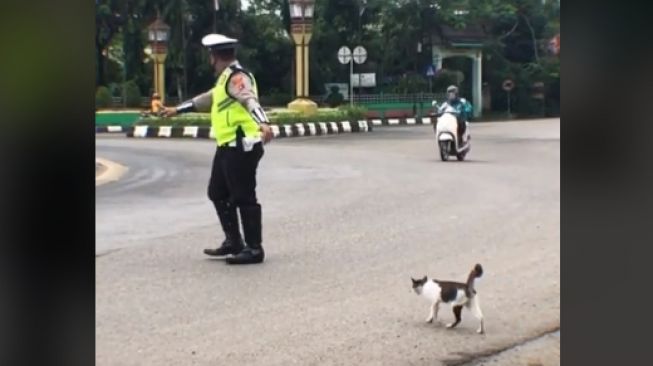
x,y
289,130
402,121
111,129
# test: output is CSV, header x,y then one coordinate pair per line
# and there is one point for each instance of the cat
x,y
456,294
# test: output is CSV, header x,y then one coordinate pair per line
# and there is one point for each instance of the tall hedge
x,y
132,94
102,97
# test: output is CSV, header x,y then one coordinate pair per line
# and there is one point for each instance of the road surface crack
x,y
105,253
467,358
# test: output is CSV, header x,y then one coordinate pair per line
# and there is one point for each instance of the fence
x,y
398,105
397,98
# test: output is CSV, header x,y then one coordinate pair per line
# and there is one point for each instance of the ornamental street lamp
x,y
158,34
301,29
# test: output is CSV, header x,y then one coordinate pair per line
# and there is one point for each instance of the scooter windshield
x,y
450,109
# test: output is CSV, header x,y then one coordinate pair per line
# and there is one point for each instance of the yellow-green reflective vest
x,y
227,114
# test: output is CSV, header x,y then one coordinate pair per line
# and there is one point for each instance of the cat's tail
x,y
476,272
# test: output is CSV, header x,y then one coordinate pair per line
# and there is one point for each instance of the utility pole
x,y
216,7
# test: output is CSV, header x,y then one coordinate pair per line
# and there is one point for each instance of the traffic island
x,y
285,123
285,130
99,169
107,171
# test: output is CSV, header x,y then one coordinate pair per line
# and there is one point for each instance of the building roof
x,y
472,36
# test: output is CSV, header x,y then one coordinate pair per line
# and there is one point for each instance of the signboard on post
x,y
364,80
508,85
344,55
430,73
360,54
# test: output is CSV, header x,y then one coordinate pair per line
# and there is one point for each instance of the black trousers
x,y
233,186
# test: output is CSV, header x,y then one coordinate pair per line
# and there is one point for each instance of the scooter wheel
x,y
444,150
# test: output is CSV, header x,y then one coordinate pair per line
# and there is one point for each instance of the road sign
x,y
430,70
508,85
344,55
360,54
364,80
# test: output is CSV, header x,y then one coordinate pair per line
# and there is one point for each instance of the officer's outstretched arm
x,y
240,88
201,103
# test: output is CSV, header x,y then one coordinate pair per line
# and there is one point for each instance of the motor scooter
x,y
446,132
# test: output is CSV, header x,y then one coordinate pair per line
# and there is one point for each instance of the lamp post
x,y
158,34
301,29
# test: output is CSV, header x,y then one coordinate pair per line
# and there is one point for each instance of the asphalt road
x,y
347,220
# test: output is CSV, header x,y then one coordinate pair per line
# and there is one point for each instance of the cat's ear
x,y
412,279
424,279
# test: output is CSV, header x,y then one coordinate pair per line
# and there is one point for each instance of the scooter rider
x,y
463,110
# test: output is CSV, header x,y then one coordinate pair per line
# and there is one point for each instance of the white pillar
x,y
437,58
477,84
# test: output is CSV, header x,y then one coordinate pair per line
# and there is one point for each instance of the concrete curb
x,y
111,129
112,171
290,130
280,130
402,121
370,122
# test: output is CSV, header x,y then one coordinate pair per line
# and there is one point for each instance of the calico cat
x,y
456,294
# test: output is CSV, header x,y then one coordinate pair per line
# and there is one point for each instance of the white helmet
x,y
216,42
452,92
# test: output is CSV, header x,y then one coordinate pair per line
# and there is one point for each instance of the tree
x,y
390,30
108,19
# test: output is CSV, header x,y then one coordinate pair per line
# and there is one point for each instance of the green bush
x,y
102,97
116,89
174,122
280,118
353,113
132,94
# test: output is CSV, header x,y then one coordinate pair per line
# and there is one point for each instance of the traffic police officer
x,y
241,127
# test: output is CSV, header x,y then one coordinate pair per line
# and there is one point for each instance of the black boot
x,y
228,247
253,252
233,243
